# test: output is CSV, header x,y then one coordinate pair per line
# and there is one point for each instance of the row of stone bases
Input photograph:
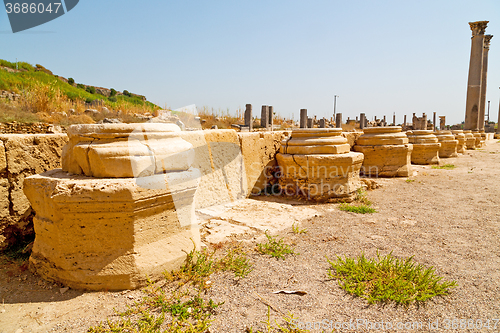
x,y
121,210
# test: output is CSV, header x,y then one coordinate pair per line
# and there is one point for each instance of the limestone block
x,y
27,155
218,157
4,203
470,140
111,233
259,155
126,150
3,160
315,141
386,160
448,144
387,152
425,147
460,137
479,142
321,177
351,137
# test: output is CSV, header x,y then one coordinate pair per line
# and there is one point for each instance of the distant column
x,y
338,120
498,121
442,122
434,122
394,119
264,116
473,103
384,122
310,123
362,121
486,48
271,115
322,123
404,122
248,117
303,118
424,121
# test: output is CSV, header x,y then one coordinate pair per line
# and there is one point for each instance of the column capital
x,y
487,39
478,27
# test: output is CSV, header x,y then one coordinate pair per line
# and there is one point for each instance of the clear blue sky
x,y
380,56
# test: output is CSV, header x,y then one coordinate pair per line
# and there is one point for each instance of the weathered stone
x,y
460,137
470,140
259,155
479,141
3,160
218,157
386,150
125,150
114,233
448,144
308,171
425,147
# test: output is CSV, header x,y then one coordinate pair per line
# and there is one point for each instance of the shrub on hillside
x,y
90,89
81,86
43,69
71,81
113,93
127,93
112,99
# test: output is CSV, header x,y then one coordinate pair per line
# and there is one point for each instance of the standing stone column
x,y
404,122
424,122
322,123
338,120
475,68
271,114
310,123
394,119
482,105
384,122
362,121
264,116
248,117
442,122
434,122
303,118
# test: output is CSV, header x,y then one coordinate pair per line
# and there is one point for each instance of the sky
x,y
379,57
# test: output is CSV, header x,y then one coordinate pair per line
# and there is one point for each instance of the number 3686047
x,y
32,8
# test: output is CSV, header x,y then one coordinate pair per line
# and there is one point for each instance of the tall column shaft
x,y
271,115
362,121
338,120
264,116
248,117
473,102
303,118
482,105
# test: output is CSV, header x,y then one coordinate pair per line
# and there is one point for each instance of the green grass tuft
x,y
275,247
296,229
410,180
360,209
445,167
384,279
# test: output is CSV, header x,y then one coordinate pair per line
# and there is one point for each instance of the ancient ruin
x,y
470,140
425,147
460,137
448,144
318,164
386,150
121,210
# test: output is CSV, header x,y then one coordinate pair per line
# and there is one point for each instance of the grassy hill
x,y
44,96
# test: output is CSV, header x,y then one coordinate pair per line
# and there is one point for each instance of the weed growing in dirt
x,y
296,230
410,180
359,209
445,167
288,327
181,308
361,197
275,247
384,279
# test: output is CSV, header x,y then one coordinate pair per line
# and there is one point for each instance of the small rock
x,y
63,290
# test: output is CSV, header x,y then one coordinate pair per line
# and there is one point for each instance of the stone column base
x,y
111,233
386,160
425,153
448,149
322,178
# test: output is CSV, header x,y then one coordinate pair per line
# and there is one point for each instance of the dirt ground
x,y
448,219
